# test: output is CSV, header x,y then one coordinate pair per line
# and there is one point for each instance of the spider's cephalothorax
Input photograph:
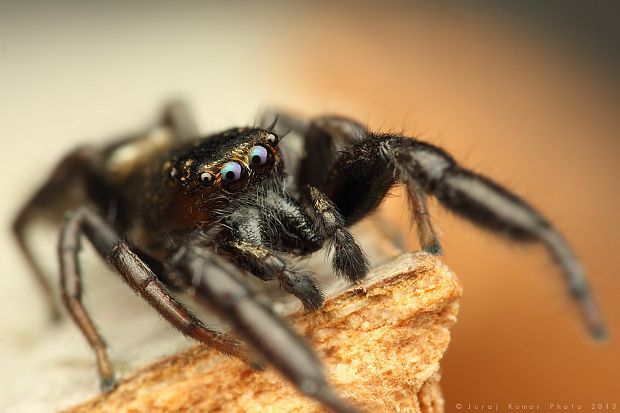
x,y
171,211
200,182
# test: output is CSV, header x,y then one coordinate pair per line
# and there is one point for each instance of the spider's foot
x,y
108,384
599,333
434,248
591,314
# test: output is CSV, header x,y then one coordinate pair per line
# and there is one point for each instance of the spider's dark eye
x,y
258,155
231,171
207,178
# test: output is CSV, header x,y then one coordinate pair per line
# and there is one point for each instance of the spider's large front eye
x,y
259,155
234,176
231,171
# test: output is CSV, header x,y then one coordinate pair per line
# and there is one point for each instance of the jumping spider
x,y
170,211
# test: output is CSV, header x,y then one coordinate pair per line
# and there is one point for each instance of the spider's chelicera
x,y
170,211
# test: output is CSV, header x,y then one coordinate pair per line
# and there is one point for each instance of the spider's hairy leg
x,y
325,139
349,260
262,263
343,133
489,205
257,323
138,276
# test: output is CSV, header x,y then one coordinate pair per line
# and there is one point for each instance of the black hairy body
x,y
172,211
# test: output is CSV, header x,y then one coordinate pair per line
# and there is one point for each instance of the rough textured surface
x,y
381,343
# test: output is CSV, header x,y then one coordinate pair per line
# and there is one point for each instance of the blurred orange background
x,y
528,95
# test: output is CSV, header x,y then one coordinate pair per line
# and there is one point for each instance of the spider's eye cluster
x,y
234,174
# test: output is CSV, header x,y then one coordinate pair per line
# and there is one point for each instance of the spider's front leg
x,y
138,276
257,323
484,202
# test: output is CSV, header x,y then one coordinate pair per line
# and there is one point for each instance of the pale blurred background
x,y
526,92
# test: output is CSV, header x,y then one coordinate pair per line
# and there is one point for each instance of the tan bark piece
x,y
380,341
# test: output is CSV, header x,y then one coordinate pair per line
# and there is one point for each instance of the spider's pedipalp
x,y
266,265
348,259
